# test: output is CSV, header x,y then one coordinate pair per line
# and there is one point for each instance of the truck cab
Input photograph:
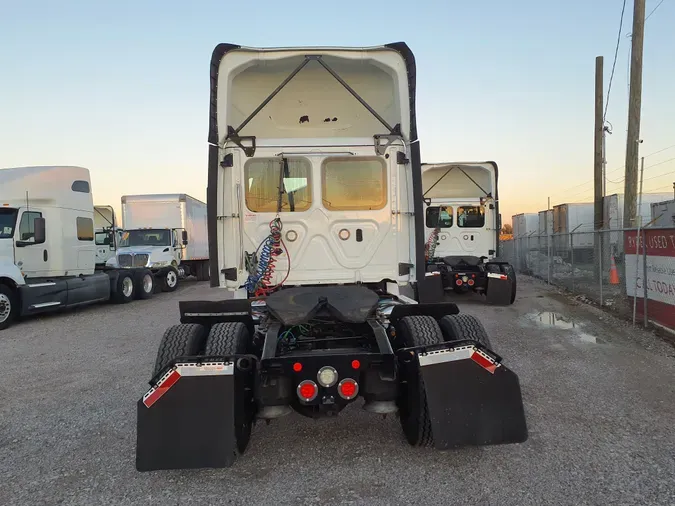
x,y
47,244
166,233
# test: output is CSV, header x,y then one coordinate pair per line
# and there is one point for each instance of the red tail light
x,y
471,282
307,390
348,388
297,367
356,364
458,282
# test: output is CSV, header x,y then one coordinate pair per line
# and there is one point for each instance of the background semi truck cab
x,y
461,208
47,247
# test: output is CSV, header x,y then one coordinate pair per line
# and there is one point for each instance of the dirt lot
x,y
599,396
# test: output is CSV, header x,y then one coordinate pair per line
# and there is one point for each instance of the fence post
x,y
572,257
600,269
644,278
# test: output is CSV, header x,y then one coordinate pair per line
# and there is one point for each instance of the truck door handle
x,y
45,256
359,235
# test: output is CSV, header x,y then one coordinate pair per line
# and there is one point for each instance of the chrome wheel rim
x,y
171,279
147,283
5,308
127,287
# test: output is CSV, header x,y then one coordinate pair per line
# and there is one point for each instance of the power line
x,y
616,53
654,9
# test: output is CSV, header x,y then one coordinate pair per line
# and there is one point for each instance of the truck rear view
x,y
316,227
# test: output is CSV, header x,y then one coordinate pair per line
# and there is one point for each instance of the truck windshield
x,y
7,222
149,237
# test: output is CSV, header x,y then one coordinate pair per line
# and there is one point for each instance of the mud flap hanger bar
x,y
233,133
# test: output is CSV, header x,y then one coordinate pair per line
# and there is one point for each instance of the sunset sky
x,y
122,87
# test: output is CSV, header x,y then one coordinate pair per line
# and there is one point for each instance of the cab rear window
x,y
439,216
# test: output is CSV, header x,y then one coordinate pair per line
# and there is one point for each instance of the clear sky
x,y
122,87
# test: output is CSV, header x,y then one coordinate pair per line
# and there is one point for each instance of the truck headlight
x,y
164,263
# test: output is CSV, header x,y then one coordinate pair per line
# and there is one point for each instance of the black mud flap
x,y
472,398
187,419
499,287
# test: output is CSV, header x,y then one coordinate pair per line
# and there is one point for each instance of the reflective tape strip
x,y
484,361
171,377
497,276
461,353
162,387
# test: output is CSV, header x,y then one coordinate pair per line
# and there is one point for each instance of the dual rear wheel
x,y
425,331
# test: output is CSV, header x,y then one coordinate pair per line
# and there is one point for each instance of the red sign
x,y
660,280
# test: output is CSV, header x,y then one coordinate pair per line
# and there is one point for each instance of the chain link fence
x,y
594,264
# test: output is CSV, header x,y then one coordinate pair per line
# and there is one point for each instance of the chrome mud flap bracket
x,y
472,398
188,417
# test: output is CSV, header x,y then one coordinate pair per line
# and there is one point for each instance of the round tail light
x,y
458,282
327,376
348,389
471,282
307,390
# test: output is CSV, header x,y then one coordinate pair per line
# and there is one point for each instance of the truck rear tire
x,y
180,340
229,338
413,411
458,327
145,284
169,280
232,338
125,288
8,306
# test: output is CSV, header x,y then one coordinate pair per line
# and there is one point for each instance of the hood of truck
x,y
7,250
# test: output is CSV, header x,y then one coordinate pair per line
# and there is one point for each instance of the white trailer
x,y
47,247
524,224
168,234
545,223
663,214
576,219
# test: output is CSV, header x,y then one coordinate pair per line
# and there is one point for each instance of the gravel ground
x,y
601,417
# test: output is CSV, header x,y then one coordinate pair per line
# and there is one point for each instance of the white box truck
x,y
47,247
166,233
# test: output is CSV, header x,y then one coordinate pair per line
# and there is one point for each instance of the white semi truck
x,y
47,247
316,233
462,225
166,233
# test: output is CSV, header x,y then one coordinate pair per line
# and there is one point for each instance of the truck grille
x,y
124,260
133,260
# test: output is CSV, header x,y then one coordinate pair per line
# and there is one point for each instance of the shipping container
x,y
524,224
663,214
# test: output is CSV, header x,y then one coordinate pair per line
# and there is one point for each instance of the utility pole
x,y
634,106
598,175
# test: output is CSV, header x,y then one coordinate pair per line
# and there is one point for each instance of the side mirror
x,y
112,241
185,237
40,230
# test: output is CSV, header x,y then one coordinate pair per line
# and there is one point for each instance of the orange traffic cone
x,y
613,273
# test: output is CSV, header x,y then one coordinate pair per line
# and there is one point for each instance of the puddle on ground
x,y
552,319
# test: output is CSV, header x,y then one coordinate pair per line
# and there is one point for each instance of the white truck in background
x,y
47,247
166,233
462,225
106,233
